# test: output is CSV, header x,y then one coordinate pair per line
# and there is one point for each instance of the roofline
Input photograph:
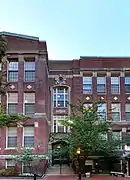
x,y
59,60
103,57
19,35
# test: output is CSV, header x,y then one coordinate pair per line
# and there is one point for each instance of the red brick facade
x,y
24,48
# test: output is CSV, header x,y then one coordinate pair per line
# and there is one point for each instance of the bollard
x,y
35,178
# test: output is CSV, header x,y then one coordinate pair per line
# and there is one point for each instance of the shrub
x,y
9,172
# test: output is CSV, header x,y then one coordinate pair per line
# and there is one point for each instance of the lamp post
x,y
59,147
79,170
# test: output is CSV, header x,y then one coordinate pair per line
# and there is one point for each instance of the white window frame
x,y
127,111
89,82
13,102
103,111
64,94
116,111
101,83
114,82
6,163
25,102
29,69
15,70
7,140
23,138
57,119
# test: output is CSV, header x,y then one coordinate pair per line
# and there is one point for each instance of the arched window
x,y
60,96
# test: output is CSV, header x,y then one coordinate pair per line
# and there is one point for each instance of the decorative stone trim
x,y
95,74
122,74
36,124
123,129
108,74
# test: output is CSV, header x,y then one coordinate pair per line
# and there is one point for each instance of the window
x,y
29,71
87,85
127,112
127,84
101,111
13,71
29,103
101,84
10,164
60,97
12,107
115,112
12,137
115,81
28,137
57,126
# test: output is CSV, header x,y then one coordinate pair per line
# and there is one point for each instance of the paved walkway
x,y
55,170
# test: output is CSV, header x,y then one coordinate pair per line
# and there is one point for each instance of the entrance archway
x,y
60,154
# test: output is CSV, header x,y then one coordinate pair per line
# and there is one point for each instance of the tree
x,y
5,119
60,154
88,132
30,161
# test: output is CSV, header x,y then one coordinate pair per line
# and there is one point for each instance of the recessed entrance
x,y
60,153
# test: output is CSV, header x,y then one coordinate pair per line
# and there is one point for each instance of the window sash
x,y
29,97
115,116
29,108
29,131
12,141
28,141
101,88
57,127
12,76
12,131
101,108
87,88
101,80
10,164
13,66
127,107
127,114
29,65
29,76
60,97
12,97
115,80
127,88
127,80
12,108
114,88
115,107
87,80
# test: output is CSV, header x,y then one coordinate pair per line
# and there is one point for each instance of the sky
x,y
72,28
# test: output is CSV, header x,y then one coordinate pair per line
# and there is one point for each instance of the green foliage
x,y
7,119
9,172
3,46
88,132
30,160
60,153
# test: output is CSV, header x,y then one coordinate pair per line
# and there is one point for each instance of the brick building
x,y
43,88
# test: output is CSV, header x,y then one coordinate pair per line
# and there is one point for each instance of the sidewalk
x,y
55,170
53,173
